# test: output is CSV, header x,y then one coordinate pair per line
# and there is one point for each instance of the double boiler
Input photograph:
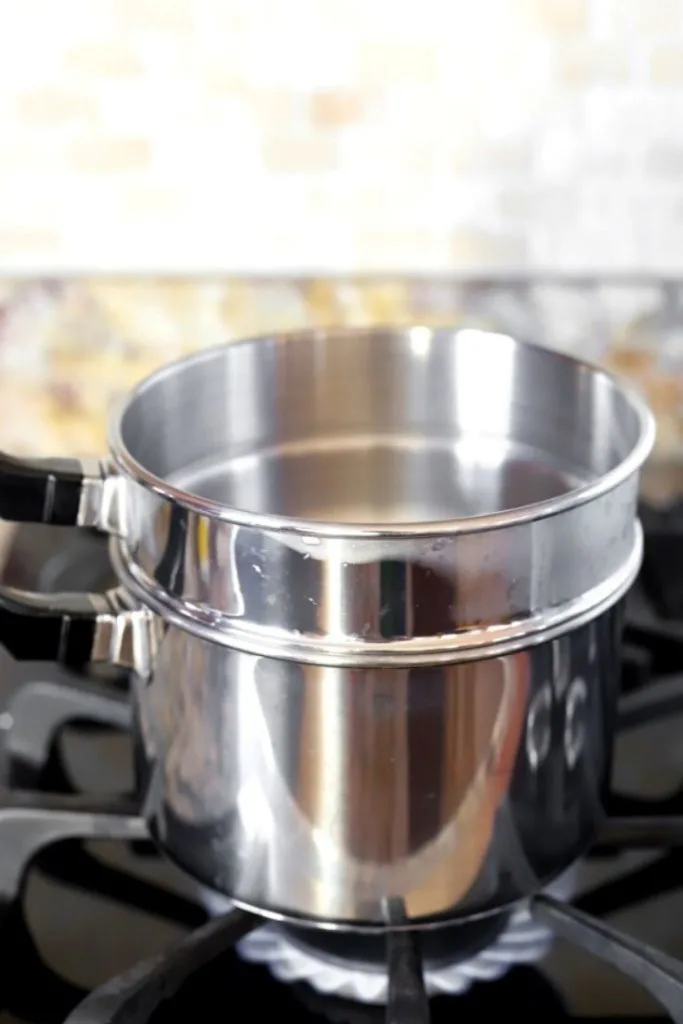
x,y
370,592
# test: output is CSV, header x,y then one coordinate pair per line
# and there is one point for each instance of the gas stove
x,y
95,926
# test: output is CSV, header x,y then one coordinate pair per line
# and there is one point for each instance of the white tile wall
x,y
253,136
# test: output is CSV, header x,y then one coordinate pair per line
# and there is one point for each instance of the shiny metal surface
x,y
481,595
374,497
101,505
124,635
370,587
317,793
377,413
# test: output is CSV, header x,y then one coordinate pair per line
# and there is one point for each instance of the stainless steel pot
x,y
370,590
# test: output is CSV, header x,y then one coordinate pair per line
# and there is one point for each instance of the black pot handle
x,y
75,629
57,492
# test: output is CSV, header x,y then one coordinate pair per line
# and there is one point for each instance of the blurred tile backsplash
x,y
70,350
252,136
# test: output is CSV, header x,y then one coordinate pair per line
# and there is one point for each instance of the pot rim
x,y
275,523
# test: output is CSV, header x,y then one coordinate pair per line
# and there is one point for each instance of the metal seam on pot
x,y
464,646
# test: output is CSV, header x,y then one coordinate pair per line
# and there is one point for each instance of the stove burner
x,y
353,966
532,995
367,952
227,956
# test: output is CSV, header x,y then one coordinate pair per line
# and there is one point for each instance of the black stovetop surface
x,y
91,911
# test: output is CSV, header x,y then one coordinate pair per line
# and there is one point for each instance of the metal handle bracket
x,y
78,629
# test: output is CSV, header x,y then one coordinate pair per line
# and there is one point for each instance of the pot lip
x,y
404,531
